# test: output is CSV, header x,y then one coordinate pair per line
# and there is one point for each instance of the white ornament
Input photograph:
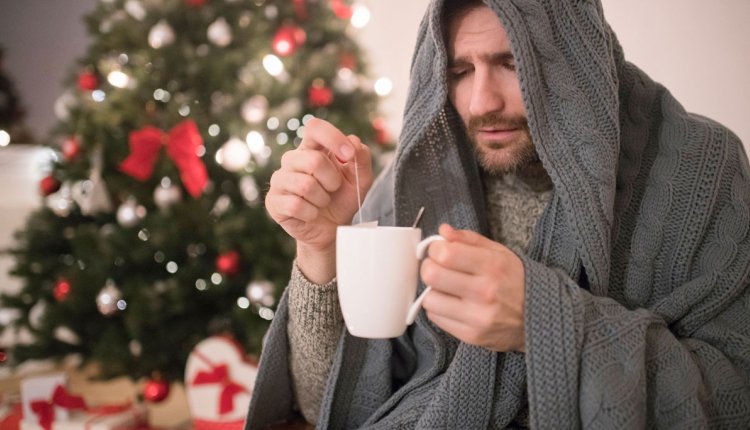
x,y
135,9
161,35
220,33
36,313
130,213
65,334
64,104
254,110
92,195
108,298
260,292
223,203
345,81
233,155
290,108
61,202
249,189
167,194
8,316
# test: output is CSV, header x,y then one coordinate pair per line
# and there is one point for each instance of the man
x,y
597,257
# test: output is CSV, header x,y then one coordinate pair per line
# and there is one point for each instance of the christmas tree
x,y
12,112
153,234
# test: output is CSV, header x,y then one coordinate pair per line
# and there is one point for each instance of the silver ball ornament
x,y
161,35
220,33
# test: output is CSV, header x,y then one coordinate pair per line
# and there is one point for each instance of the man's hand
x,y
314,191
478,290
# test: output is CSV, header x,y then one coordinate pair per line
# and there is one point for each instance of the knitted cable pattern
x,y
650,203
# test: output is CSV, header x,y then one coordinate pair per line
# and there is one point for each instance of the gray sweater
x,y
315,320
637,306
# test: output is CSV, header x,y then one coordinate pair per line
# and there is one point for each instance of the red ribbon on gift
x,y
219,374
182,143
45,409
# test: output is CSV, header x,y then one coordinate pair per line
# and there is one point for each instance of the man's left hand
x,y
478,290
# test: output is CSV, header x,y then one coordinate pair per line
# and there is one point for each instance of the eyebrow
x,y
496,57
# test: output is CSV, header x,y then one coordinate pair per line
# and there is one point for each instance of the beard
x,y
500,158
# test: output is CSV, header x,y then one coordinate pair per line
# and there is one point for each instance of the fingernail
x,y
346,151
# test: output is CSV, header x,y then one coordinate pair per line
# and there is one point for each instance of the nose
x,y
486,94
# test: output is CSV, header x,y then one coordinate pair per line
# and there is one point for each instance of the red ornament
x,y
156,390
228,263
348,61
382,137
3,356
319,95
71,148
88,81
341,10
49,185
195,3
61,290
287,39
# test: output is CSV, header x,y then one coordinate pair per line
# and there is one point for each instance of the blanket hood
x,y
567,60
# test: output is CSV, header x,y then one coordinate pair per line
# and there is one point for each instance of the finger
x,y
313,163
320,134
448,281
467,236
303,185
458,256
457,329
283,207
363,167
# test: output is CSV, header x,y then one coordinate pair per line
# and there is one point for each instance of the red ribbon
x,y
182,142
45,409
220,375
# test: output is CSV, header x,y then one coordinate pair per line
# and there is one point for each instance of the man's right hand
x,y
314,192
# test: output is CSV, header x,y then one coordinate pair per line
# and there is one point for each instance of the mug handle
x,y
421,251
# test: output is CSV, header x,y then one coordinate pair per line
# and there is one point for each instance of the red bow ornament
x,y
45,409
220,375
182,143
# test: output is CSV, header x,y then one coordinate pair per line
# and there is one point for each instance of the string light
x,y
360,16
4,138
383,87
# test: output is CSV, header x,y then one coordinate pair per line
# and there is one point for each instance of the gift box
x,y
120,418
44,399
219,379
47,405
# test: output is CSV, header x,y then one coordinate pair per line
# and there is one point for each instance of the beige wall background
x,y
698,49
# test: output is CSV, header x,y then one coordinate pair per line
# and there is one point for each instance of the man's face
x,y
485,90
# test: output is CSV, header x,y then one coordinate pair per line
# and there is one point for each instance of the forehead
x,y
474,28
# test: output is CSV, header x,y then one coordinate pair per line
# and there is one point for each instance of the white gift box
x,y
93,420
219,380
41,388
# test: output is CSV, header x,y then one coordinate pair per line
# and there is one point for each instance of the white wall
x,y
698,49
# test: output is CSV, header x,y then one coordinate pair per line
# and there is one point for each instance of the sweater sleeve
x,y
616,367
314,328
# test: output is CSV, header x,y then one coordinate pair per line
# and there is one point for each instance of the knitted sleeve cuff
x,y
314,327
313,305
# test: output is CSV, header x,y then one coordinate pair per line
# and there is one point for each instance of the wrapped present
x,y
45,399
47,405
125,417
219,379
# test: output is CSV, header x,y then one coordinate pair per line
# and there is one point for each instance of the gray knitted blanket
x,y
637,301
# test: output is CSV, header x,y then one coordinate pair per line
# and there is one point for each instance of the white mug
x,y
376,271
